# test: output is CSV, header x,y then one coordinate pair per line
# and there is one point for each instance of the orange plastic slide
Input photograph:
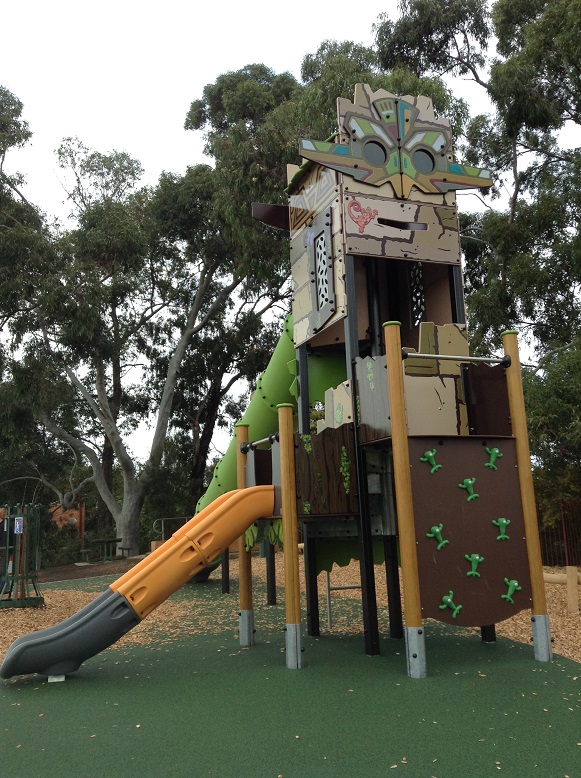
x,y
193,547
61,649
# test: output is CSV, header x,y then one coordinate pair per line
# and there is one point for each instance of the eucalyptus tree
x,y
29,463
87,313
522,256
523,251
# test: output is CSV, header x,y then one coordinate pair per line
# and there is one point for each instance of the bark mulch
x,y
86,570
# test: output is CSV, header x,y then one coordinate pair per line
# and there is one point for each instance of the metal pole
x,y
414,629
366,564
270,575
246,620
540,619
309,542
292,592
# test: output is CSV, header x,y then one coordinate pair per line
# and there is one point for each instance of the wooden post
x,y
572,589
540,619
292,590
246,621
414,630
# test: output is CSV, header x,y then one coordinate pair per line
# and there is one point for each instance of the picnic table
x,y
105,548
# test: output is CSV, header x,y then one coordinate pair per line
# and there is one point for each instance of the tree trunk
x,y
127,522
104,517
202,441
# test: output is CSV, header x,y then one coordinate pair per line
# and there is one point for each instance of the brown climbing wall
x,y
452,524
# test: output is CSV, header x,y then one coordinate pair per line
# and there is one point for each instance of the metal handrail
x,y
161,532
506,361
252,444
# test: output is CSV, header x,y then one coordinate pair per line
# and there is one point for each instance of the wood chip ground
x,y
174,619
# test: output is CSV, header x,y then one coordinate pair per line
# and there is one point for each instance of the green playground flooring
x,y
195,704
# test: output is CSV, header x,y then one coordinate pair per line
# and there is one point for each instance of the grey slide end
x,y
63,648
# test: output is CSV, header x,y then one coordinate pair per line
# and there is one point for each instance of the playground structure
x,y
19,556
422,457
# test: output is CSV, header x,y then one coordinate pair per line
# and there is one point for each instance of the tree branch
x,y
192,327
98,476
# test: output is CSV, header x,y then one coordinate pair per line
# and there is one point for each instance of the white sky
x,y
121,74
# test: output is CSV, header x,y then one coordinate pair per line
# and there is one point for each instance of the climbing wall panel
x,y
472,555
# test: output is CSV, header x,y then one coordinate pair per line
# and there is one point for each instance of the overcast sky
x,y
121,74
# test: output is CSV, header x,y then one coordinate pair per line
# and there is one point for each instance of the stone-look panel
x,y
378,227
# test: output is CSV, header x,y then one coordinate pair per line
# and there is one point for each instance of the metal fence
x,y
561,543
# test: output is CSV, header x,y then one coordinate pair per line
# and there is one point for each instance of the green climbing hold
x,y
448,602
430,458
475,560
370,376
512,588
494,454
436,533
345,469
468,484
502,524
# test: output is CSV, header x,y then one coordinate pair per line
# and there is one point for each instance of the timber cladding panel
x,y
471,549
326,473
317,264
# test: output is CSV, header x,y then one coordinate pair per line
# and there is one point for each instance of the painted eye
x,y
423,161
375,153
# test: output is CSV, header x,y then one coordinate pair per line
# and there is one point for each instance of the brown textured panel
x,y
326,473
259,467
487,400
274,215
468,528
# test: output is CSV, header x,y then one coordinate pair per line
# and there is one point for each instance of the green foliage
x,y
538,83
58,546
331,72
97,177
248,120
14,131
511,273
554,419
443,38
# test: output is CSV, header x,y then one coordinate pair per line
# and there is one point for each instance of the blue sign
x,y
18,525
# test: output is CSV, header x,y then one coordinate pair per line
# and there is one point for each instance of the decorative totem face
x,y
397,141
385,188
